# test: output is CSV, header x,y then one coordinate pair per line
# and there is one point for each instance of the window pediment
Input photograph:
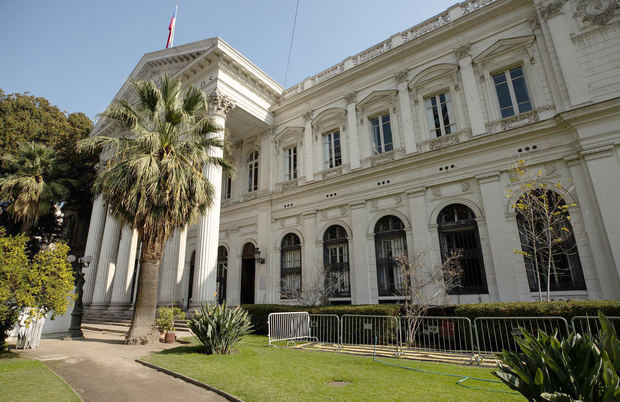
x,y
330,118
289,136
376,97
439,72
503,46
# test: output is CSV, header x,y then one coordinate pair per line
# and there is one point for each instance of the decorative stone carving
x,y
397,200
219,104
374,204
437,191
597,12
549,169
307,117
443,141
462,51
520,120
552,8
402,76
343,211
380,159
289,185
328,174
465,186
350,97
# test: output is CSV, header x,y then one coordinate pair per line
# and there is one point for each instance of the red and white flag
x,y
171,28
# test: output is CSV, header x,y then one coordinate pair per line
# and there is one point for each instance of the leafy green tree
x,y
35,183
43,282
153,178
26,118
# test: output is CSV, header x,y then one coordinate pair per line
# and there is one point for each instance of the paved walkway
x,y
101,368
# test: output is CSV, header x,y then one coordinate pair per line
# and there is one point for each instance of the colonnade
x,y
115,248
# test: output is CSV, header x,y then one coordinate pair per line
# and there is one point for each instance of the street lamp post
x,y
75,329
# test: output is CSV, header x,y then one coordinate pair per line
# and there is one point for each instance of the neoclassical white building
x,y
401,148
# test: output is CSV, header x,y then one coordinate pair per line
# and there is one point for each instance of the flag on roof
x,y
171,28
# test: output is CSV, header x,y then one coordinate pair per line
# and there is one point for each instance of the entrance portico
x,y
239,97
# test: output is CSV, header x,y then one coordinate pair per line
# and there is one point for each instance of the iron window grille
x,y
458,232
336,262
290,267
390,241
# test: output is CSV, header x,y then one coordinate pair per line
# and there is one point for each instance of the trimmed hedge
x,y
562,308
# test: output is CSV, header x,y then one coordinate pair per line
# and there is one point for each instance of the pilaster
x,y
406,112
358,254
472,97
308,156
352,131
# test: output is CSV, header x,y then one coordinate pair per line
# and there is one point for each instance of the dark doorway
x,y
248,268
190,287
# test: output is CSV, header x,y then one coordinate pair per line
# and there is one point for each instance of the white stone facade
x,y
566,53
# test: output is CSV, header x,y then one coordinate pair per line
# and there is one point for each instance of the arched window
x,y
253,171
222,268
560,266
290,268
390,241
336,262
458,232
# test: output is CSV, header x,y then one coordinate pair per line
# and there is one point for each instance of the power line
x,y
290,48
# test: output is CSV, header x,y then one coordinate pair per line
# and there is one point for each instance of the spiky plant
x,y
35,183
219,328
152,179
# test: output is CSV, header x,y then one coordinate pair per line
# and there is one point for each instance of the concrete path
x,y
101,368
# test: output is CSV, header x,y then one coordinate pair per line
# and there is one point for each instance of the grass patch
x,y
259,373
30,380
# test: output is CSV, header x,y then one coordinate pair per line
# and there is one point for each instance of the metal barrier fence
x,y
325,328
288,326
591,324
382,330
437,334
494,334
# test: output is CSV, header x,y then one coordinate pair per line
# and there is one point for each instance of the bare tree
x,y
426,285
544,225
315,292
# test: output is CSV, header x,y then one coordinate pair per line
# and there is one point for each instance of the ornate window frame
x,y
501,56
432,81
288,138
327,121
375,104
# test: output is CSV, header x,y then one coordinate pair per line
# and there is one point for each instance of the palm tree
x,y
35,185
153,177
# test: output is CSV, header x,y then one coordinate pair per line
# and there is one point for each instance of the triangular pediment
x,y
376,96
503,46
432,73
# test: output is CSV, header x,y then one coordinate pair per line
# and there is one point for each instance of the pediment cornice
x,y
504,46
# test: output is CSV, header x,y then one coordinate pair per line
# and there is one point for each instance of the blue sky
x,y
78,53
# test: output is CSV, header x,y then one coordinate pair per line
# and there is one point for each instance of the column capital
x,y
350,98
307,117
463,51
551,8
219,104
402,76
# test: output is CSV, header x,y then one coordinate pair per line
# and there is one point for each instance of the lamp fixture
x,y
257,256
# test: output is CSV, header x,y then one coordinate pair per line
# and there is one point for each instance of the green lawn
x,y
30,380
258,373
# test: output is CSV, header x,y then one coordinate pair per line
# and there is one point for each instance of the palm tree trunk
x,y
142,329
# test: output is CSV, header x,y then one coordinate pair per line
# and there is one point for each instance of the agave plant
x,y
219,328
579,367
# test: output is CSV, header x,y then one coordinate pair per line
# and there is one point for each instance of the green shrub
x,y
579,367
166,317
219,328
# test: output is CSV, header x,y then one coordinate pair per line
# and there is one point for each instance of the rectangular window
x,y
227,187
290,164
512,93
439,115
331,149
381,133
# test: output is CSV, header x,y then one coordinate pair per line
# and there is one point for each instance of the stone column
x,y
205,271
308,154
172,269
406,112
358,256
560,33
126,261
93,247
472,97
502,244
107,262
353,137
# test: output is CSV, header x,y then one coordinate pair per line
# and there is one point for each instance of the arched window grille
x,y
253,171
336,262
458,232
222,269
290,268
561,266
390,241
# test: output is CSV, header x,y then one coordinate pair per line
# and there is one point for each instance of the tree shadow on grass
x,y
183,350
8,355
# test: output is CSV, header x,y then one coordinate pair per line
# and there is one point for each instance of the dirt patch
x,y
339,383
